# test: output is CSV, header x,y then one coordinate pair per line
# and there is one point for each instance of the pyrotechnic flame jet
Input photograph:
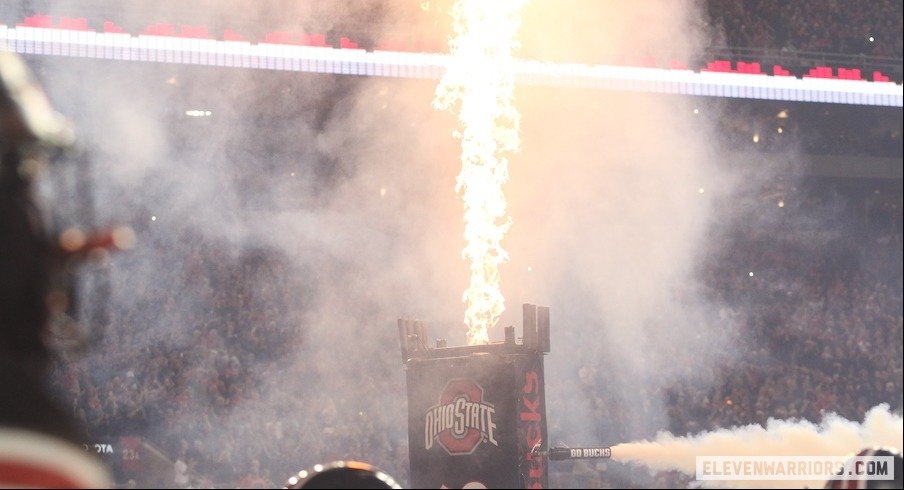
x,y
479,85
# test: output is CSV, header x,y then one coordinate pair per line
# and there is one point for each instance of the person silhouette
x,y
41,446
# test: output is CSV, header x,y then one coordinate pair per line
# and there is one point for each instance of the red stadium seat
x,y
38,21
75,24
820,72
230,35
318,40
879,77
778,71
719,65
849,74
749,68
312,40
111,27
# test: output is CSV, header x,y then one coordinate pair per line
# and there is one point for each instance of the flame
x,y
479,85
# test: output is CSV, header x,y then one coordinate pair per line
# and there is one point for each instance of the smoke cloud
x,y
351,186
833,436
612,199
330,200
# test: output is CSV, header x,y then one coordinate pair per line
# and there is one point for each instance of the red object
x,y
58,464
99,240
312,40
849,74
719,65
677,65
879,77
111,27
131,453
750,68
230,35
75,24
778,71
346,43
38,21
318,39
24,475
820,72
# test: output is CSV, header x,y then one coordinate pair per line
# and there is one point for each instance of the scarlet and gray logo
x,y
461,420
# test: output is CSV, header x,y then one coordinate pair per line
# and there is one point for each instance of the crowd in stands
x,y
815,129
822,333
826,26
178,390
821,320
819,330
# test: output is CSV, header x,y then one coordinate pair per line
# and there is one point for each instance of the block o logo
x,y
461,420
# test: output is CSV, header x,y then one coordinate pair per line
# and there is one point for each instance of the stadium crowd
x,y
178,390
819,331
826,26
813,129
821,323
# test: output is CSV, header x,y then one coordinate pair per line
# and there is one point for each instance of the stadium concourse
x,y
820,300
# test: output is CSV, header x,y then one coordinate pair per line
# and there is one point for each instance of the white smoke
x,y
834,436
607,223
610,220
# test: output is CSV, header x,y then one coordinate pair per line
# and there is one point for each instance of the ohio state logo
x,y
461,420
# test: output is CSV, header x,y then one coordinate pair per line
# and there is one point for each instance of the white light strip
x,y
114,46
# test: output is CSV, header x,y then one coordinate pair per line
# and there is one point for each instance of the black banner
x,y
473,421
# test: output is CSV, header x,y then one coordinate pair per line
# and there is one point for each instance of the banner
x,y
474,420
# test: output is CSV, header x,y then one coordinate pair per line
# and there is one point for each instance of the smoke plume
x,y
329,203
833,436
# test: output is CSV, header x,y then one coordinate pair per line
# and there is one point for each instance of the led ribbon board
x,y
314,59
